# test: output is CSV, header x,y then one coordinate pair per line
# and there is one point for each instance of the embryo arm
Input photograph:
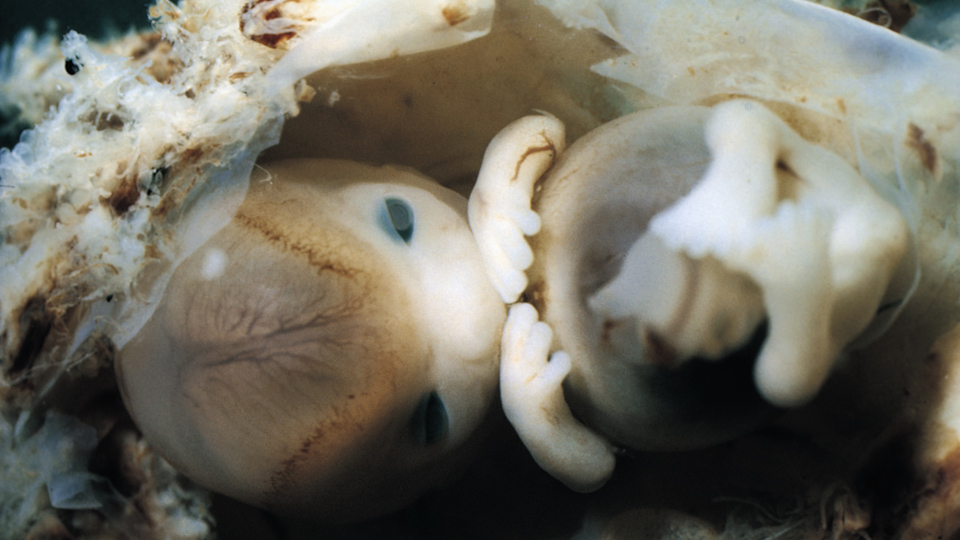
x,y
499,208
533,401
530,378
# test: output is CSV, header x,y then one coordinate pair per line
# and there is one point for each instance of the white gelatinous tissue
x,y
199,131
351,31
688,51
893,100
882,85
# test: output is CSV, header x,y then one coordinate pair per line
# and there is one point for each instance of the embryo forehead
x,y
378,338
295,237
294,344
289,264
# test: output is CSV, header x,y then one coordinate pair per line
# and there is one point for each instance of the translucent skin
x,y
291,352
690,271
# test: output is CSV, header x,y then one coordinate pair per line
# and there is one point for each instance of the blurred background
x,y
936,22
95,18
102,18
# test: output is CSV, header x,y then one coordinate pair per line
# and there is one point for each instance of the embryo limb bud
x,y
499,207
533,401
693,308
803,225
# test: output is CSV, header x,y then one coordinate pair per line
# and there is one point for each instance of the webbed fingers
x,y
499,208
520,320
526,220
525,346
504,262
507,281
557,369
511,285
528,372
533,401
505,254
516,251
816,239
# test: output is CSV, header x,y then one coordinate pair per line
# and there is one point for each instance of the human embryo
x,y
679,277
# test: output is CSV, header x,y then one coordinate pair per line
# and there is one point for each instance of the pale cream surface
x,y
289,353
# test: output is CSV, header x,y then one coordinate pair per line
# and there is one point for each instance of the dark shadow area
x,y
96,19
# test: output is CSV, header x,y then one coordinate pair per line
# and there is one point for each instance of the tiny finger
x,y
527,220
536,348
520,320
555,371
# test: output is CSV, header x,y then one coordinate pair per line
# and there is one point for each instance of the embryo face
x,y
331,352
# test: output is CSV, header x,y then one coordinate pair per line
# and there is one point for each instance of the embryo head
x,y
322,355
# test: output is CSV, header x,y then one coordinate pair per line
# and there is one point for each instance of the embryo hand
x,y
499,208
801,223
532,395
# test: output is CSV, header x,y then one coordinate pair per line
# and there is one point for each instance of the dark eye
x,y
430,422
397,220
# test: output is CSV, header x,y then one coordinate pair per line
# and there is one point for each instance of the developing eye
x,y
397,219
430,422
